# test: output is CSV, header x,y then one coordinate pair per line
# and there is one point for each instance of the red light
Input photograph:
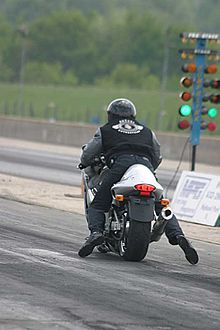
x,y
145,187
185,96
211,126
215,83
214,98
183,124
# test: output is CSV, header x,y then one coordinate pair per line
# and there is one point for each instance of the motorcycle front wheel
x,y
135,242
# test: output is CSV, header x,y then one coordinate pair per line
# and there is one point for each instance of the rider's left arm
x,y
92,149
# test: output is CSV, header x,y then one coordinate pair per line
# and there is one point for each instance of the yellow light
x,y
183,56
119,198
184,40
212,68
190,67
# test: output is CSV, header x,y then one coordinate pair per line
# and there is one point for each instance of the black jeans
x,y
103,198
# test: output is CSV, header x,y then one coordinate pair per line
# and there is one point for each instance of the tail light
x,y
145,189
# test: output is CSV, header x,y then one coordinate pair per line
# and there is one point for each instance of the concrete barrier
x,y
75,134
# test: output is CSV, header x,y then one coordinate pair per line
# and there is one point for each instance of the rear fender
x,y
141,209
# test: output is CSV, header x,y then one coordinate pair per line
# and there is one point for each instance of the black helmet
x,y
122,108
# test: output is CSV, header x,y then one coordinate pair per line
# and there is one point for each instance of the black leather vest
x,y
126,136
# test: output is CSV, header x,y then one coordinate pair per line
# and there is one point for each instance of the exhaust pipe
x,y
167,213
160,224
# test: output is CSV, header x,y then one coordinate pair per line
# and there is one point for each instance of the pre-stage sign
x,y
197,198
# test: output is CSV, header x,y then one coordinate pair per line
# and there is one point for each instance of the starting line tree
x,y
196,79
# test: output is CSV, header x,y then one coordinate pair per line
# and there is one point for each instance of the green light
x,y
212,112
185,110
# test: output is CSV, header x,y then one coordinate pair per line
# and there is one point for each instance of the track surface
x,y
45,285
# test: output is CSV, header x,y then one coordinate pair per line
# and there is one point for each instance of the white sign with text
x,y
197,198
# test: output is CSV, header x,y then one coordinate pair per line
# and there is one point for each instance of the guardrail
x,y
76,134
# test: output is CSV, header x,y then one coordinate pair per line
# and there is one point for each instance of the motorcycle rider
x,y
124,142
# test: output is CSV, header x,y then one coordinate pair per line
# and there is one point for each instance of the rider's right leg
x,y
176,236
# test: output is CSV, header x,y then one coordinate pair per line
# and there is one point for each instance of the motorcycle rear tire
x,y
137,241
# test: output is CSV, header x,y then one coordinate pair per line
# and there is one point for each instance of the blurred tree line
x,y
102,42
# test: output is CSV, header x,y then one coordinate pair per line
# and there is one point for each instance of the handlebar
x,y
80,166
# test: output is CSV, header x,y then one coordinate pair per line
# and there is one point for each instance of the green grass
x,y
84,104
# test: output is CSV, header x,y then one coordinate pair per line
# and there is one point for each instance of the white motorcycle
x,y
128,230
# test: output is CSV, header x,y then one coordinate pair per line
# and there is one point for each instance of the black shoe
x,y
190,253
96,238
